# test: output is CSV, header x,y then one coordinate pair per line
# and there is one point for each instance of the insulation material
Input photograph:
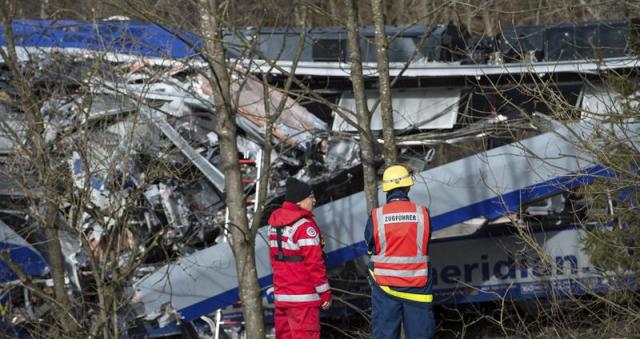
x,y
294,123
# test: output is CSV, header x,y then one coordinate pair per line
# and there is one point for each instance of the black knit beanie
x,y
296,190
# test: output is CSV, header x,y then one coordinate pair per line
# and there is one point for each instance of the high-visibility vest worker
x,y
401,235
398,235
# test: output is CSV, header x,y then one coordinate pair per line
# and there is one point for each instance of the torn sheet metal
x,y
12,127
294,126
433,108
105,106
211,172
99,193
124,139
22,253
342,152
61,114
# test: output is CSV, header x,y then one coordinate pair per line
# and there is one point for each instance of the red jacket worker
x,y
299,277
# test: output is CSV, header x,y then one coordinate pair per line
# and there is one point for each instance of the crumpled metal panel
x,y
294,124
22,253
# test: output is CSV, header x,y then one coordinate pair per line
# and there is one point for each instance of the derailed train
x,y
487,154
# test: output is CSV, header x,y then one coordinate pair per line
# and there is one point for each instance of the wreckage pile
x,y
125,129
140,182
138,160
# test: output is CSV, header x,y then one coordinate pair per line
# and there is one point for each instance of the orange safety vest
x,y
401,235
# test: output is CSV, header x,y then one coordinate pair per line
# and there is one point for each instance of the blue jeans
x,y
388,311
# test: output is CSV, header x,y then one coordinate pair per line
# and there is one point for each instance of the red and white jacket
x,y
301,283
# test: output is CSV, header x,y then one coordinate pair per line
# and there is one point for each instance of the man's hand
x,y
325,305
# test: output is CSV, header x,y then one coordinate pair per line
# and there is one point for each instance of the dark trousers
x,y
388,312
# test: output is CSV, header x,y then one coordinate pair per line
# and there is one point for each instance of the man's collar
x,y
397,195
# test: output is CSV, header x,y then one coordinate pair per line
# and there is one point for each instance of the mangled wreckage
x,y
133,127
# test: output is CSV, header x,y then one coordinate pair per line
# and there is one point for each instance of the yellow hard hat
x,y
396,176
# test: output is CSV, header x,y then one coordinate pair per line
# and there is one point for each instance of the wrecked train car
x,y
488,154
486,148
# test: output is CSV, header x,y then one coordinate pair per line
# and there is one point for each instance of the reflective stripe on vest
x,y
395,218
297,297
401,273
400,260
381,236
420,234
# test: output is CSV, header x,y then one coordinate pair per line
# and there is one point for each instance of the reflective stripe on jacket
x,y
401,235
297,283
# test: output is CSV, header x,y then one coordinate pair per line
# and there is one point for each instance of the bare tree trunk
x,y
384,84
44,9
242,243
399,14
54,252
468,14
591,9
448,15
300,14
334,9
538,10
367,152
